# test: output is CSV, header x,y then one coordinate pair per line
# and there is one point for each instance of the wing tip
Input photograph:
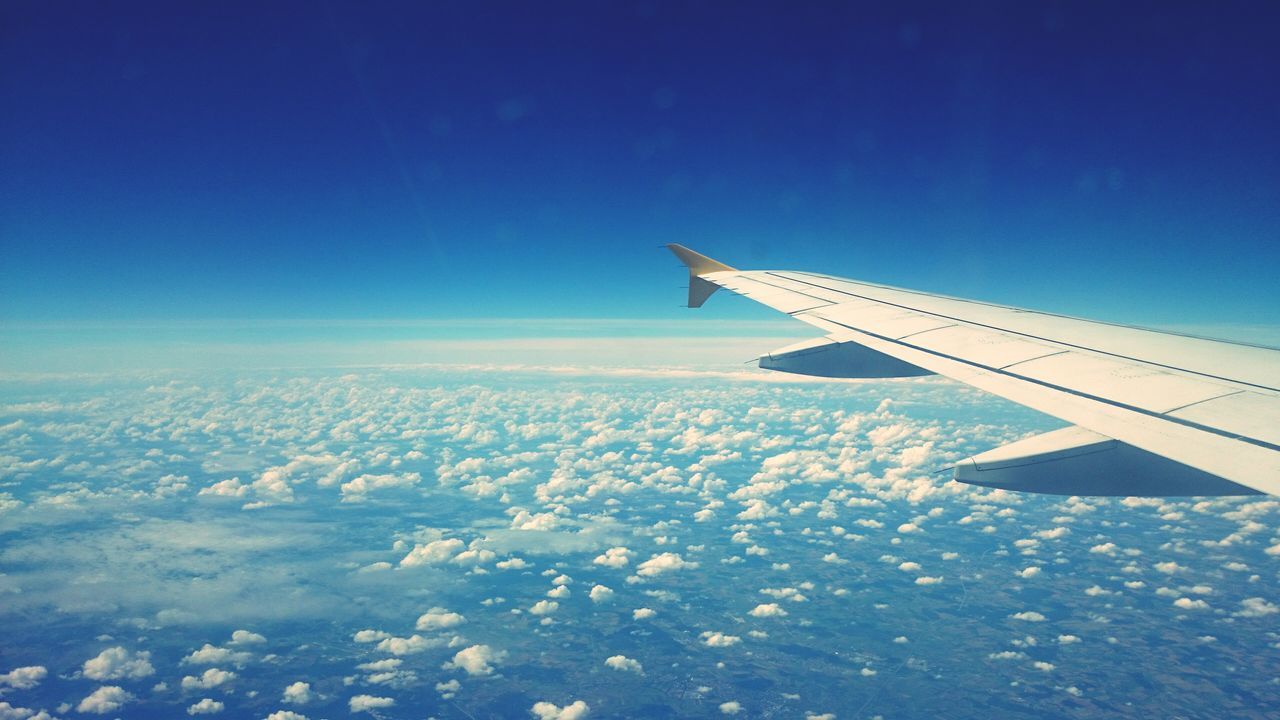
x,y
697,263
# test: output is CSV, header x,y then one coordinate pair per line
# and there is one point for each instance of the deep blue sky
x,y
438,160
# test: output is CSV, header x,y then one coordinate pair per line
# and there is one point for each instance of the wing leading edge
x,y
1154,414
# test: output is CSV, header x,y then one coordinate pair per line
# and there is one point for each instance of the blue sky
x,y
444,161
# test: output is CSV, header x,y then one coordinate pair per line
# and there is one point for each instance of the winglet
x,y
699,265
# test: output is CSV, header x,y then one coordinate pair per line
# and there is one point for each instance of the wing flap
x,y
1248,414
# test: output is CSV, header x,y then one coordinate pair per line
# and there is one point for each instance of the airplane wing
x,y
1152,413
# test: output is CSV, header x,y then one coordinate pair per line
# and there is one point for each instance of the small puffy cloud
x,y
244,637
437,618
368,636
365,703
211,678
115,663
733,707
909,566
1029,572
106,699
476,660
1028,616
1068,639
559,592
358,489
212,655
524,520
1257,607
550,711
408,645
719,640
600,594
624,663
449,688
544,607
286,715
768,610
226,488
614,557
928,579
1188,604
1104,549
298,693
432,553
666,562
24,678
643,613
1168,568
514,563
1054,533
1043,666
206,706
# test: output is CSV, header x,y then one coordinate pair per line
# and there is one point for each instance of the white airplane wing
x,y
1152,413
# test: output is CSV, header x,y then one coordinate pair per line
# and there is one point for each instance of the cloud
x,y
719,640
299,693
368,636
624,663
476,660
1189,604
408,645
600,594
768,610
357,490
365,703
206,706
614,557
24,678
211,678
1028,616
432,553
438,618
665,562
108,698
928,580
523,520
211,655
116,663
286,715
244,637
1104,549
550,711
643,613
1257,607
1029,572
733,707
544,607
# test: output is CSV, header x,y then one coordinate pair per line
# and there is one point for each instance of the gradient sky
x,y
458,160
